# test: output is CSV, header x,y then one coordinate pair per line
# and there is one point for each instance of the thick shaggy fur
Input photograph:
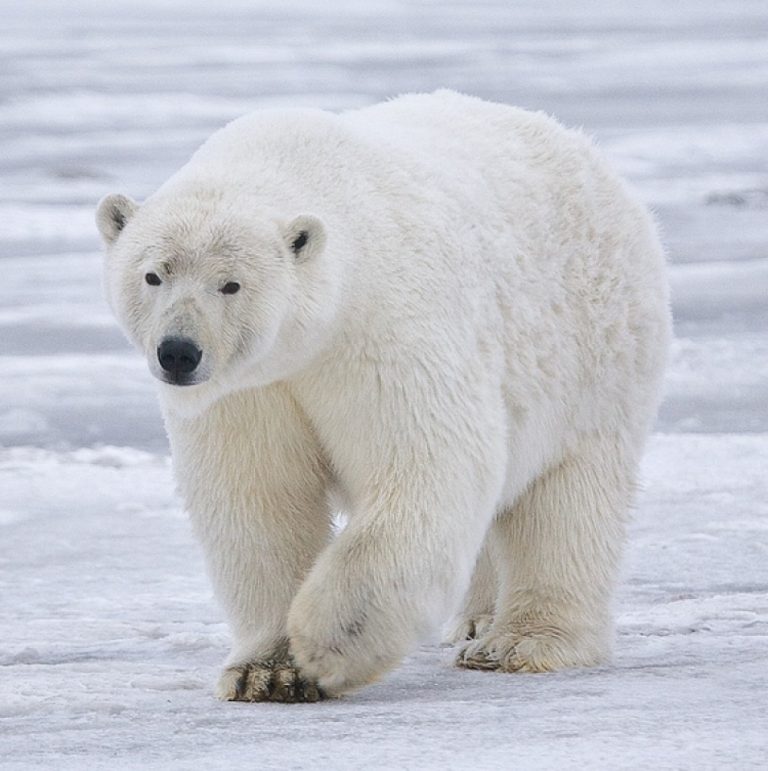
x,y
453,318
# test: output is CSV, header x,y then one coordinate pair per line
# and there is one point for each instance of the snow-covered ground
x,y
110,640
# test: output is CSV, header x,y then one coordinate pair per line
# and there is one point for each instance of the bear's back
x,y
453,130
443,132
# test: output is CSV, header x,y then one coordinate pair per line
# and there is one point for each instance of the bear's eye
x,y
153,279
230,287
300,241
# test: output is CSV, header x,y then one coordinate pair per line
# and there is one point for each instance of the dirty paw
x,y
279,681
474,655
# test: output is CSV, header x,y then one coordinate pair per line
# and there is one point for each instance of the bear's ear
x,y
304,236
112,215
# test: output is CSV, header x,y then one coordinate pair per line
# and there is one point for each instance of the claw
x,y
268,681
477,659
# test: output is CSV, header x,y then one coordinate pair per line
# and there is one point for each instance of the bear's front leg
x,y
421,504
255,485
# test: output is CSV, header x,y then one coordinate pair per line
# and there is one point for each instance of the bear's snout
x,y
179,357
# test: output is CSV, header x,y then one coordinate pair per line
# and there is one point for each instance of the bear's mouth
x,y
182,380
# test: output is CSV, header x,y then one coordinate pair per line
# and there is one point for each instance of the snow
x,y
114,640
111,640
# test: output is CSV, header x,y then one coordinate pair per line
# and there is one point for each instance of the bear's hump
x,y
271,127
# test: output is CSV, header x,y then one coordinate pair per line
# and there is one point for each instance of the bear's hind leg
x,y
557,551
476,614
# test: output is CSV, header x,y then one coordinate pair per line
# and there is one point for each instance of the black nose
x,y
178,357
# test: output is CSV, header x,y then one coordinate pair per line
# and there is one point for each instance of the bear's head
x,y
216,300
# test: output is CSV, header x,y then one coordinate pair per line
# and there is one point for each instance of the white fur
x,y
468,350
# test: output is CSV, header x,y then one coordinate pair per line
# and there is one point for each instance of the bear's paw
x,y
279,681
546,649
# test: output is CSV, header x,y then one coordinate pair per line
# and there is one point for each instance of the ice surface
x,y
110,639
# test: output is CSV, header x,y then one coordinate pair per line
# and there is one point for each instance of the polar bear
x,y
445,316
